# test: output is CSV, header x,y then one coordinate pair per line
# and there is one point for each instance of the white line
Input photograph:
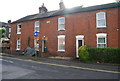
x,y
8,61
11,61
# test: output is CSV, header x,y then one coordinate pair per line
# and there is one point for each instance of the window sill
x,y
61,50
102,47
61,29
101,27
36,31
17,49
18,33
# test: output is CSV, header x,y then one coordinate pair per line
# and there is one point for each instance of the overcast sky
x,y
15,9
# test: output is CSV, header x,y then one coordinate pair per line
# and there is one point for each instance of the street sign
x,y
36,38
36,34
44,38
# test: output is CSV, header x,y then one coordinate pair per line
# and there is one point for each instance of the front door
x,y
79,43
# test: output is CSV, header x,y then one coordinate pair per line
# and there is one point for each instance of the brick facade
x,y
75,24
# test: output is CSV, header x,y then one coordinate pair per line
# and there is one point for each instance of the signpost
x,y
44,39
36,34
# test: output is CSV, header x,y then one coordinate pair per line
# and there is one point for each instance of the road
x,y
18,69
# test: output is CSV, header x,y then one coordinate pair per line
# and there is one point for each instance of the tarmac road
x,y
20,69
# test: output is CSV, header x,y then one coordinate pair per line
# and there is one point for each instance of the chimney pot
x,y
61,4
42,9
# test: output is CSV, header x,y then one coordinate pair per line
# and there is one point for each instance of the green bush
x,y
102,55
2,32
83,53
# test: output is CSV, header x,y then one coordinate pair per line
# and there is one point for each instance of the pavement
x,y
68,63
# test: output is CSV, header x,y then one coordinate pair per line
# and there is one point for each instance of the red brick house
x,y
63,31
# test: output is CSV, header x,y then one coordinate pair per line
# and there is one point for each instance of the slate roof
x,y
68,11
3,24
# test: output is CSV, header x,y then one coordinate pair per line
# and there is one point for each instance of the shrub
x,y
83,53
102,55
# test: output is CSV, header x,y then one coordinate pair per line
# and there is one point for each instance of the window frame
x,y
9,29
61,37
19,28
9,35
97,19
36,44
36,26
101,35
61,24
18,43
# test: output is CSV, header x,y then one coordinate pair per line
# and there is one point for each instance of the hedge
x,y
102,55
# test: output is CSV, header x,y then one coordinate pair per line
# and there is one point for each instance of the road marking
x,y
8,61
11,61
84,68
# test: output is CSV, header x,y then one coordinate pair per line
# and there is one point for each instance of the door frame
x,y
79,37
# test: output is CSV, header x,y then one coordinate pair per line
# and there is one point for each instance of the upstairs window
x,y
37,26
61,23
101,19
18,44
19,29
101,40
61,43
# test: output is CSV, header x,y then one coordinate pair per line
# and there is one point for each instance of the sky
x,y
16,9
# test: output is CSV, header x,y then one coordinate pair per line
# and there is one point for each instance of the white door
x,y
79,42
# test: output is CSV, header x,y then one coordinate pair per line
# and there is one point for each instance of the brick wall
x,y
76,24
119,26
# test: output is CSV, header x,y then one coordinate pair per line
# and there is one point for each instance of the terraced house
x,y
62,32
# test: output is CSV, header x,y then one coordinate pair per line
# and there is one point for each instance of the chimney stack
x,y
61,4
9,21
42,9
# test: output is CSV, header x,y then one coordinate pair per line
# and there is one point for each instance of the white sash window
x,y
37,26
101,40
18,45
61,43
61,23
101,19
19,29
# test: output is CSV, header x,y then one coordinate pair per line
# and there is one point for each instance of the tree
x,y
2,33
